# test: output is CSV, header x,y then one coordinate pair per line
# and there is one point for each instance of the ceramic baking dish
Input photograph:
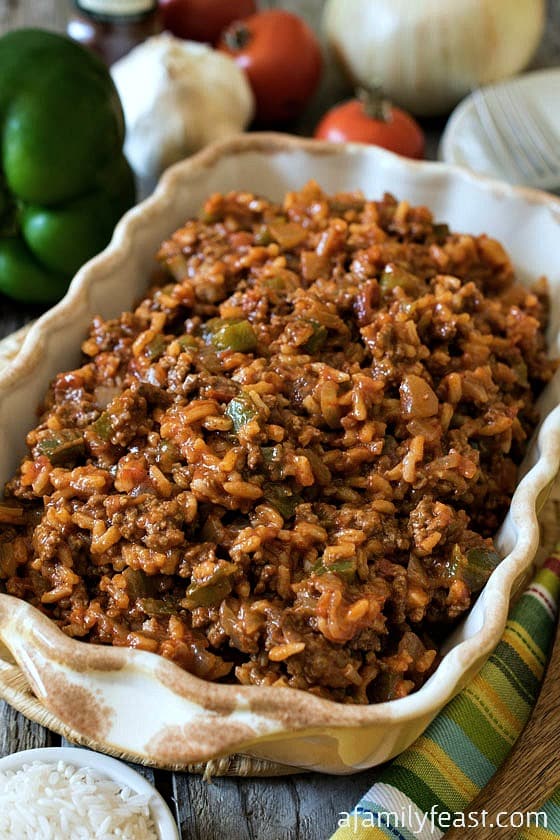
x,y
140,704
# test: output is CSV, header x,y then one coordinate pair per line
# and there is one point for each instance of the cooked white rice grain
x,y
51,801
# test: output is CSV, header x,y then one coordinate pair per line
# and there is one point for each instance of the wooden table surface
x,y
306,806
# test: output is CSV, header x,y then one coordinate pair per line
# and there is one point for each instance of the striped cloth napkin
x,y
467,742
552,829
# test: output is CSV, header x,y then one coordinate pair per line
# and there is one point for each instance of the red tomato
x,y
282,59
203,20
363,122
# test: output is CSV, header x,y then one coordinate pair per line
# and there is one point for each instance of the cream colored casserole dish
x,y
135,702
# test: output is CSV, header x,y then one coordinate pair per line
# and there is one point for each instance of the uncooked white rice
x,y
43,801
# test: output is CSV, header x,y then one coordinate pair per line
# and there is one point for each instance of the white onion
x,y
103,394
428,54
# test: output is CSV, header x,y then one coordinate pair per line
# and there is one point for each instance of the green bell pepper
x,y
64,181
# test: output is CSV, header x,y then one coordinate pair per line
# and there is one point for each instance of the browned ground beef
x,y
284,467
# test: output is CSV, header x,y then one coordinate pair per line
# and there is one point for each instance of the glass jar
x,y
113,27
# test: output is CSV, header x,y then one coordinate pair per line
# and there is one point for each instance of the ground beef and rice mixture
x,y
284,467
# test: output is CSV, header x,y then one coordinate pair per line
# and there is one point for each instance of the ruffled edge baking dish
x,y
134,702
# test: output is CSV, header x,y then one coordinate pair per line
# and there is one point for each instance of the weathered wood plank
x,y
19,733
304,807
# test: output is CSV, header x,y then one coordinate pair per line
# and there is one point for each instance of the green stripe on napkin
x,y
545,824
469,740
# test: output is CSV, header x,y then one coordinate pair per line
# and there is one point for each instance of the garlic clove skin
x,y
428,54
177,97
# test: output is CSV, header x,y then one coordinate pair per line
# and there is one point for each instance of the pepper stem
x,y
237,36
375,105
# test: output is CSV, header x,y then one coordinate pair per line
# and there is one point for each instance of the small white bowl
x,y
464,141
105,767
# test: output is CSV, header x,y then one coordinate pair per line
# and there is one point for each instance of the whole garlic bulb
x,y
428,54
177,97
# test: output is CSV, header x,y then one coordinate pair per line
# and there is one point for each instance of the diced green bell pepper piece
x,y
139,584
157,606
187,342
316,339
234,334
212,590
481,562
395,276
156,348
473,567
263,236
281,497
103,427
241,410
344,568
62,446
